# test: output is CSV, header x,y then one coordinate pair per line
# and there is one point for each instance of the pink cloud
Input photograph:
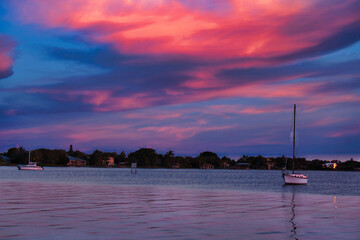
x,y
89,133
248,29
316,101
240,109
10,112
5,61
295,90
353,130
182,132
154,115
101,100
324,122
108,101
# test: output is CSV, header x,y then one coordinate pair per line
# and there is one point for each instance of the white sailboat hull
x,y
295,179
27,167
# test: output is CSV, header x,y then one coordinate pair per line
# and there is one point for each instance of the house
x,y
270,164
330,165
207,166
76,162
175,166
226,165
108,162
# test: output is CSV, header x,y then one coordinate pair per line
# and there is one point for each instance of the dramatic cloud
x,y
188,75
245,28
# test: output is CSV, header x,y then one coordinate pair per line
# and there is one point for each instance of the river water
x,y
97,203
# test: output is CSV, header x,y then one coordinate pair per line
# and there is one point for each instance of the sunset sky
x,y
190,76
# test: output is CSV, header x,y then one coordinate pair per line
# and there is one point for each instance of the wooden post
x,y
134,167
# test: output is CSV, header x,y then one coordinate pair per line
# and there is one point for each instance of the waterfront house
x,y
330,165
76,162
226,165
270,164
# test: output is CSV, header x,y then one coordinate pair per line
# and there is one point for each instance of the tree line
x,y
149,158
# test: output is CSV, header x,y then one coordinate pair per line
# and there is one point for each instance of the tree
x,y
211,158
315,164
258,162
185,162
18,155
49,157
71,149
169,159
96,158
121,157
79,154
58,157
349,165
144,157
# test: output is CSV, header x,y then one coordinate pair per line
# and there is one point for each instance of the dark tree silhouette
x,y
71,149
144,157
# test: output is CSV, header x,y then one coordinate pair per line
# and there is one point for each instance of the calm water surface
x,y
93,203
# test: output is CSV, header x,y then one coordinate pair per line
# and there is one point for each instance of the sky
x,y
181,75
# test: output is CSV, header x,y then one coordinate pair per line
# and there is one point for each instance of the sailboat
x,y
30,165
292,177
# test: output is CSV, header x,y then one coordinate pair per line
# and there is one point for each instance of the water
x,y
93,203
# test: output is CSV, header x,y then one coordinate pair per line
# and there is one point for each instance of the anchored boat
x,y
292,177
30,165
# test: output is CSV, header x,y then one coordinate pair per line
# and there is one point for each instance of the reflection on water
x,y
292,220
33,210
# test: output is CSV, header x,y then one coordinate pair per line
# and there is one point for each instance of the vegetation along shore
x,y
149,158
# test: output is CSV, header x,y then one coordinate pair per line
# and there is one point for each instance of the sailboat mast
x,y
293,167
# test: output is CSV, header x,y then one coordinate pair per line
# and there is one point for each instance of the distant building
x,y
109,162
76,162
270,164
123,164
226,165
207,166
175,166
330,165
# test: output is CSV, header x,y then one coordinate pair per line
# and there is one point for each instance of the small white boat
x,y
30,166
294,178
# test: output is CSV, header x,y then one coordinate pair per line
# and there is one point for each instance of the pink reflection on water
x,y
59,211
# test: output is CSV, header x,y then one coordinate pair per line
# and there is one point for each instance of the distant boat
x,y
30,166
292,177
